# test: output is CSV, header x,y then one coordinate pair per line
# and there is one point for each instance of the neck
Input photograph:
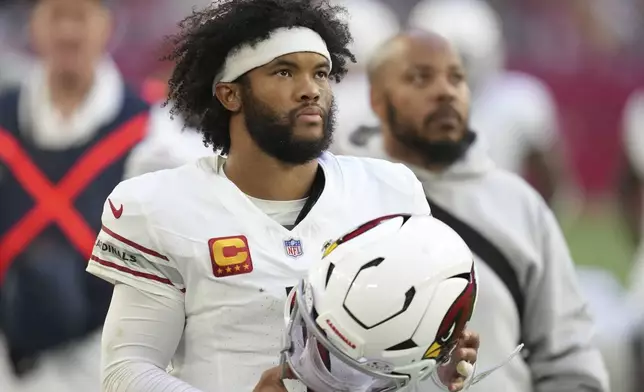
x,y
69,92
405,154
261,176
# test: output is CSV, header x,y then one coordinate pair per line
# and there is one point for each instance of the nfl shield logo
x,y
293,247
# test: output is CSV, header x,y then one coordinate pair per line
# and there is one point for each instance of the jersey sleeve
x,y
409,191
420,204
140,336
126,250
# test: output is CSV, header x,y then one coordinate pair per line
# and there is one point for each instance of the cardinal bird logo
x,y
454,321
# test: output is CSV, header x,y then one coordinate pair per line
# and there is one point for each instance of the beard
x,y
274,133
444,152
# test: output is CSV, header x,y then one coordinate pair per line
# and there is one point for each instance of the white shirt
x,y
47,126
214,298
284,212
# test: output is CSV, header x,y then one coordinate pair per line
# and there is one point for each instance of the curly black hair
x,y
207,36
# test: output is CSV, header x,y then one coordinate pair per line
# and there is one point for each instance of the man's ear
x,y
229,96
378,102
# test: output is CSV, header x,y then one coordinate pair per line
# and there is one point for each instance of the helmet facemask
x,y
321,366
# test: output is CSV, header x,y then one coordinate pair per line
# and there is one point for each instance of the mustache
x,y
292,115
445,110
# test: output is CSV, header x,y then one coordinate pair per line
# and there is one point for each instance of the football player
x,y
203,256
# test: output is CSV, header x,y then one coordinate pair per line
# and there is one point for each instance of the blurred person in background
x,y
630,202
69,134
420,94
371,23
631,197
65,132
13,67
515,111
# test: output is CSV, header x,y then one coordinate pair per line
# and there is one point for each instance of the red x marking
x,y
55,202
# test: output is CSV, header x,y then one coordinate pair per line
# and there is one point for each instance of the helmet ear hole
x,y
329,271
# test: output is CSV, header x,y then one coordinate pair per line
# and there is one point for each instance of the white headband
x,y
280,42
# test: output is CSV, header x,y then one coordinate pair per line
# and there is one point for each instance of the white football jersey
x,y
189,233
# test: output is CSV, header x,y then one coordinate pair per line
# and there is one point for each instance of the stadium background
x,y
589,52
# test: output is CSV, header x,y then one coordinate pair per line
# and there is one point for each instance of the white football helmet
x,y
371,24
382,308
472,26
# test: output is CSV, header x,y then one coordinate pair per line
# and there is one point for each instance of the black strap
x,y
638,354
486,251
316,191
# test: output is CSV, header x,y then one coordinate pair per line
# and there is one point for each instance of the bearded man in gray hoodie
x,y
420,94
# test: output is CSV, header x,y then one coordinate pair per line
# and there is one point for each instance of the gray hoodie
x,y
528,289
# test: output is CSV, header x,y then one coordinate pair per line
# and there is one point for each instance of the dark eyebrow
x,y
290,64
283,63
429,68
323,64
422,67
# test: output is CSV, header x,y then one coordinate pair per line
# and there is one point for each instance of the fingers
x,y
273,375
467,349
470,339
465,354
463,357
272,379
287,373
457,385
464,368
